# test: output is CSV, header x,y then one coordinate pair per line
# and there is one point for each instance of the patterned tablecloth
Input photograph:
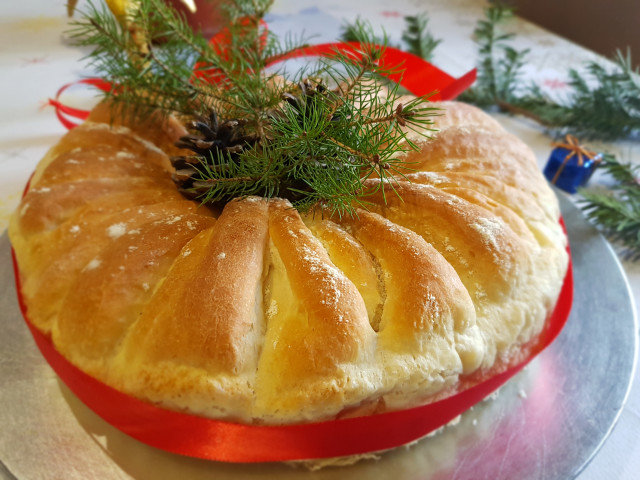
x,y
35,61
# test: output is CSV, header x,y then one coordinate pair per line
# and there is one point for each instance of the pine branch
x,y
617,212
418,38
604,103
500,64
251,132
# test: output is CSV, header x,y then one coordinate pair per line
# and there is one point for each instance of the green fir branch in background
x,y
313,139
416,35
499,64
418,38
617,211
353,32
604,103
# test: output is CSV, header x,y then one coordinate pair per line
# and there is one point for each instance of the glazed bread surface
x,y
260,314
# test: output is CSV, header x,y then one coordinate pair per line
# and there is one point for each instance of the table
x,y
35,60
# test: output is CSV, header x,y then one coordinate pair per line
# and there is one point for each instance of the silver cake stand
x,y
546,423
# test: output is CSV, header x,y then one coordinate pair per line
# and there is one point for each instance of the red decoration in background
x,y
391,14
64,111
412,72
554,83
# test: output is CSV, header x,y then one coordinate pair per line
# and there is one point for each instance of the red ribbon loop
x,y
416,75
412,72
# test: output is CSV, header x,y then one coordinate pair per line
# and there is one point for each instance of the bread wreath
x,y
260,314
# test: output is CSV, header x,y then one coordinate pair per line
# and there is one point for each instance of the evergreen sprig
x,y
419,40
416,36
617,211
352,32
499,64
311,140
603,104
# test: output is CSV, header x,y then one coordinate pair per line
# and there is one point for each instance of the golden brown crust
x,y
115,285
160,130
496,154
57,257
456,114
317,326
423,292
356,262
50,206
264,315
218,312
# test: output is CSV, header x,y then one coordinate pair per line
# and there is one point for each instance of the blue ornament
x,y
570,165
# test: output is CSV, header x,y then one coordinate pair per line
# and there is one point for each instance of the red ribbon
x,y
63,111
232,442
417,75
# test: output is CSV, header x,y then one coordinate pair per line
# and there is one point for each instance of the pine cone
x,y
214,145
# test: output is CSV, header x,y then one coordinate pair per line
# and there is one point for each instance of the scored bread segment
x,y
45,243
44,208
58,256
98,145
109,293
491,260
318,349
424,295
355,261
428,334
201,339
495,154
155,129
547,233
219,314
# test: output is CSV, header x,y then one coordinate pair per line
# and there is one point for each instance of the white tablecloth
x,y
35,61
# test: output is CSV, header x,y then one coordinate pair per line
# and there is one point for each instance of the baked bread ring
x,y
260,314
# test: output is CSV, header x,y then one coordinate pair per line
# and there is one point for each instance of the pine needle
x,y
416,36
500,64
352,32
604,103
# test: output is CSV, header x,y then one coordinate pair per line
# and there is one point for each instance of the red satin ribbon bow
x,y
64,111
